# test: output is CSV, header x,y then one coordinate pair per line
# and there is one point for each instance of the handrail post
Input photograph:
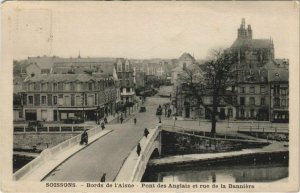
x,y
72,128
59,128
48,129
24,129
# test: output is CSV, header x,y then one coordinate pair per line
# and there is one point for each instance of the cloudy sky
x,y
146,29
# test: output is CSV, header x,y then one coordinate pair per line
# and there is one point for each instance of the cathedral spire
x,y
79,54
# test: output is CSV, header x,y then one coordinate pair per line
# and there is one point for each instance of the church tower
x,y
244,33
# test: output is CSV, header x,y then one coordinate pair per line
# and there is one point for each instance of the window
x,y
242,89
44,100
230,112
30,100
90,100
55,100
67,100
119,67
44,115
283,102
242,113
252,101
127,68
78,87
67,86
262,89
60,86
36,86
90,86
55,87
276,102
276,89
127,90
283,91
242,100
21,114
72,86
95,100
263,101
252,89
78,101
31,86
44,86
252,113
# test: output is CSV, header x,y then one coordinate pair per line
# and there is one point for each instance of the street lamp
x,y
228,121
257,117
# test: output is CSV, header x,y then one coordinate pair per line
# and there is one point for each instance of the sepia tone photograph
x,y
151,92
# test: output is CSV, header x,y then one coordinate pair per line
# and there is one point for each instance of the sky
x,y
144,30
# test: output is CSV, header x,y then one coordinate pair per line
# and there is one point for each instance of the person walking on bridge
x,y
138,149
146,132
103,177
134,120
84,138
103,125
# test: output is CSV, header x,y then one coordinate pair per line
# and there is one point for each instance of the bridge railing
x,y
145,154
206,135
49,129
263,129
50,152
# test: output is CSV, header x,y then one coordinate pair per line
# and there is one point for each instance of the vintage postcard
x,y
149,96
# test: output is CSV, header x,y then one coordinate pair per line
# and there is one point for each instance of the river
x,y
223,173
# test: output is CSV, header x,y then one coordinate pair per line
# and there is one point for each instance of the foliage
x,y
209,79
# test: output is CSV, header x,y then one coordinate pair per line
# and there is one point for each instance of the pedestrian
x,y
121,119
166,111
103,177
146,132
169,112
102,125
134,120
105,120
138,149
84,138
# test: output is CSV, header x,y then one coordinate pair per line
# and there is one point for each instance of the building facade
x,y
57,97
260,89
125,73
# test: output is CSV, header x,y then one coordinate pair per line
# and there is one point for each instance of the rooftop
x,y
65,78
252,43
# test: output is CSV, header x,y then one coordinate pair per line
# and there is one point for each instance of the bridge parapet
x,y
47,154
133,169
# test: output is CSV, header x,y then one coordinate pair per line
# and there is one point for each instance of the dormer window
x,y
119,67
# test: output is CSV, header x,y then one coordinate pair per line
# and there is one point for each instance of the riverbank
x,y
272,151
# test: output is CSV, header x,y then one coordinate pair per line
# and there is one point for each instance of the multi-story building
x,y
260,89
57,97
279,98
253,94
125,73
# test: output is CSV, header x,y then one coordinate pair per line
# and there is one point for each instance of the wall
x,y
40,140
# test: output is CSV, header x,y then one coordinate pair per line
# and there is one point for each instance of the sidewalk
x,y
130,163
42,171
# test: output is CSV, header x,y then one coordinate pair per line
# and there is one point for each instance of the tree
x,y
213,78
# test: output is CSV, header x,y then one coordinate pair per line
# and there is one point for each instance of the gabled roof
x,y
63,78
279,75
186,56
252,43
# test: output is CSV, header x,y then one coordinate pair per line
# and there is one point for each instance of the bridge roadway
x,y
108,153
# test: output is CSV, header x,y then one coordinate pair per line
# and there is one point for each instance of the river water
x,y
225,173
